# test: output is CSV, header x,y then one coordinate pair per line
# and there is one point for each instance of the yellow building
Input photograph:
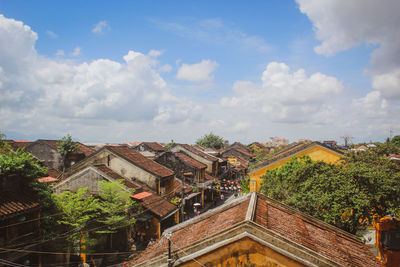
x,y
315,150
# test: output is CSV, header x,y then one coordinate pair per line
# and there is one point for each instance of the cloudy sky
x,y
118,71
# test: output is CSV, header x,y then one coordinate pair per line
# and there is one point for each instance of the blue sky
x,y
160,70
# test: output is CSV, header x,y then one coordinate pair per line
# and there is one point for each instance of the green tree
x,y
66,147
342,195
170,144
78,210
396,140
21,164
211,140
116,206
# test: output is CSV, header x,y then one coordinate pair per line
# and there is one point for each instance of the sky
x,y
125,71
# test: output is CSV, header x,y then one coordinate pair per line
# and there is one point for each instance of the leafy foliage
x,y
66,147
342,195
115,205
21,164
211,140
244,185
396,140
170,145
78,209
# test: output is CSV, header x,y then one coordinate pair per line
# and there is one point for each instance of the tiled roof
x,y
116,176
291,150
332,243
141,161
13,204
47,179
156,204
191,161
196,229
82,149
199,152
16,144
155,146
254,213
242,151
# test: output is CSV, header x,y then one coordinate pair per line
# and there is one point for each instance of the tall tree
x,y
116,206
66,147
78,210
211,140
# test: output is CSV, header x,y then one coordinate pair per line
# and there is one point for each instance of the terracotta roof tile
x,y
13,204
289,224
155,146
116,176
197,229
156,204
330,242
191,161
199,152
48,179
141,161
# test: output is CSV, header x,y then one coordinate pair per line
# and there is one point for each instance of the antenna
x,y
346,138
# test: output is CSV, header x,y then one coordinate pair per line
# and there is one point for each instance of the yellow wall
x,y
315,153
244,252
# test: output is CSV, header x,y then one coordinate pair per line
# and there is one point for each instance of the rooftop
x,y
295,234
141,161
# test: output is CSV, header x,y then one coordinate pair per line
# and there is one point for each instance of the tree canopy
x,y
211,141
66,147
344,195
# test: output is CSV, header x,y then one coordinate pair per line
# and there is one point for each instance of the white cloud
x,y
371,106
51,34
199,72
284,96
76,52
41,91
100,27
342,24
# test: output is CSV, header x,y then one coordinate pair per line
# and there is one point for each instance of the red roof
x,y
141,195
141,161
156,204
48,179
13,204
279,221
191,161
155,146
195,230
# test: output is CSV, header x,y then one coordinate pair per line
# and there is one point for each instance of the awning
x,y
192,195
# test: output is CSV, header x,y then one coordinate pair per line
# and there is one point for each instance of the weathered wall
x,y
130,171
244,252
170,161
46,154
88,178
315,153
196,157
